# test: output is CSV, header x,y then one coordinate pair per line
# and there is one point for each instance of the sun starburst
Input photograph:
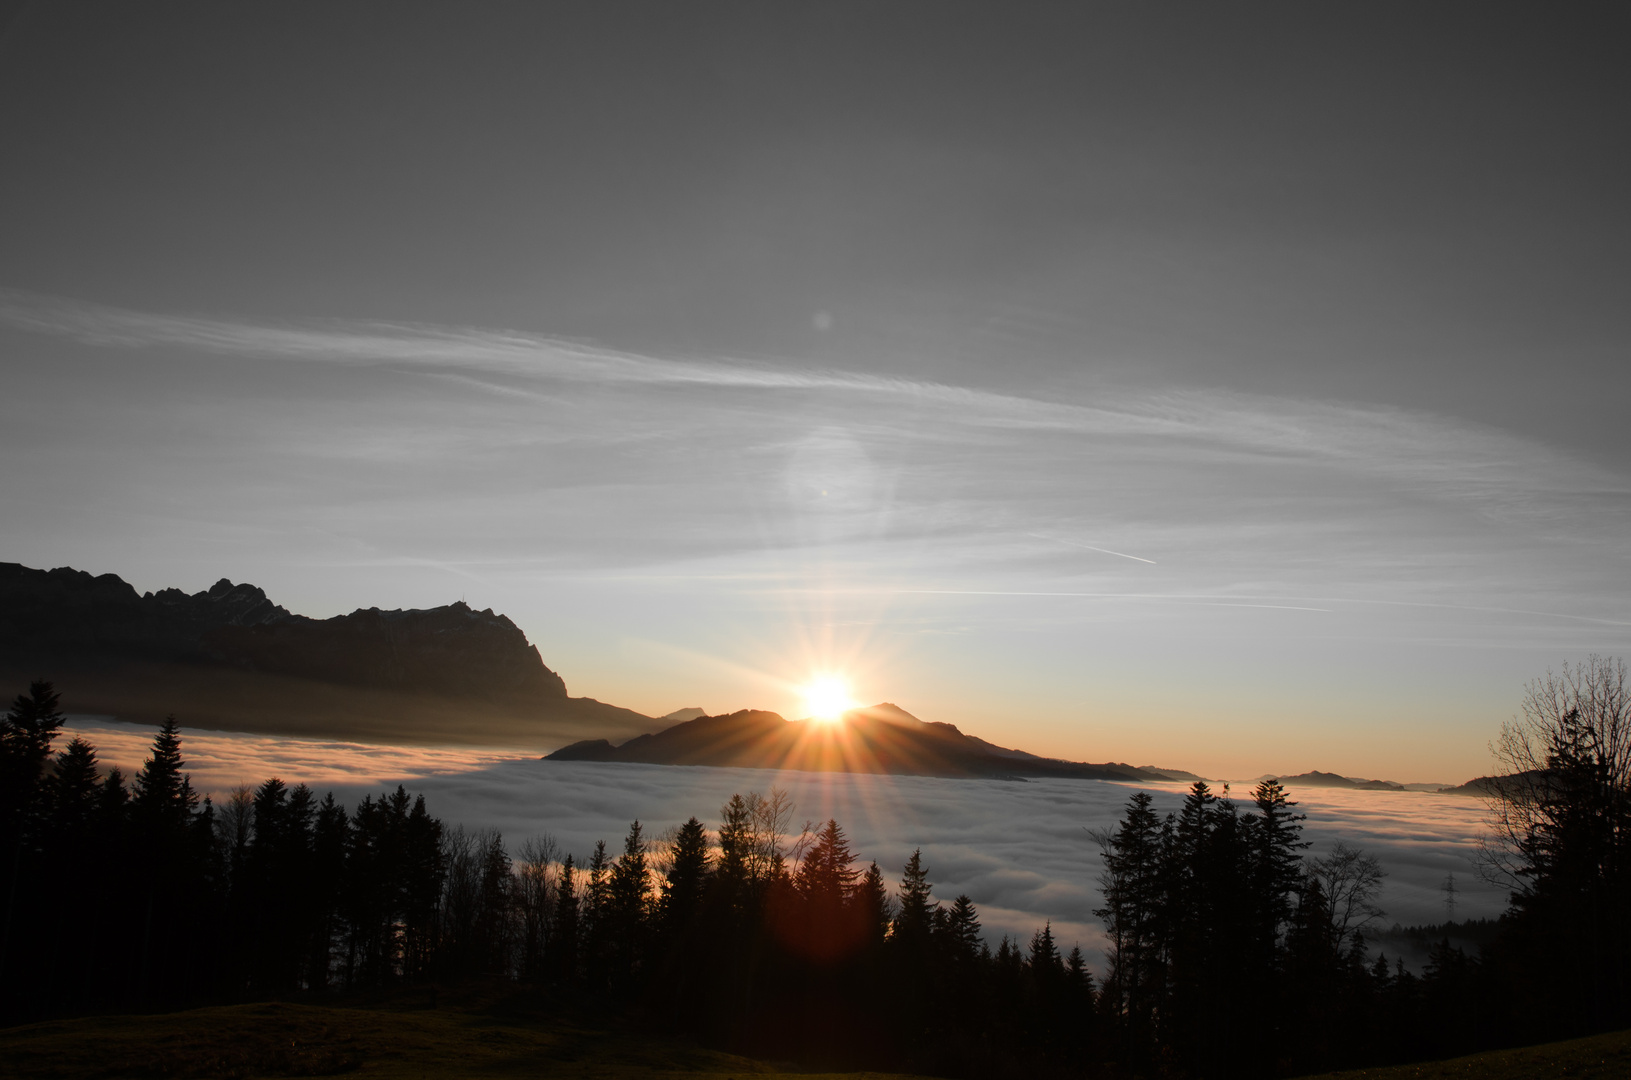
x,y
827,697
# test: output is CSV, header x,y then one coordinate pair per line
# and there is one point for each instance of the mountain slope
x,y
228,657
881,739
1333,780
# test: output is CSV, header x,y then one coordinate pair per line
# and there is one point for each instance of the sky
x,y
1239,390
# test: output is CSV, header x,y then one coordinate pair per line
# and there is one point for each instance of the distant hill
x,y
1486,786
1173,774
1332,780
228,657
881,739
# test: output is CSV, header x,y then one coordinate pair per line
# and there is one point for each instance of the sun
x,y
827,697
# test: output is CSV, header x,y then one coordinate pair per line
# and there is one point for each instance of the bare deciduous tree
x,y
1351,880
535,885
1565,759
235,821
770,820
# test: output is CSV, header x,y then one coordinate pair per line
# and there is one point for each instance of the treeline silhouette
x,y
1230,951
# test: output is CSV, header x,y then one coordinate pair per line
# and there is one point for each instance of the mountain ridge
x,y
882,738
229,657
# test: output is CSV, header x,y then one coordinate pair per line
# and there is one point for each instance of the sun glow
x,y
827,697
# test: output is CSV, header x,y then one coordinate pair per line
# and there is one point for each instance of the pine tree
x,y
494,927
72,793
913,918
687,879
872,901
162,817
1077,972
1044,960
27,732
562,949
626,903
1076,1008
1276,836
423,871
826,878
912,954
593,916
963,930
1133,886
595,886
630,877
277,868
329,840
164,797
735,840
68,878
369,894
113,801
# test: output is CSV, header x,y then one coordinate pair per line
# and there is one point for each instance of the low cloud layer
x,y
1020,850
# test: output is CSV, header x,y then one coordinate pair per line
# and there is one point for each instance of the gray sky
x,y
1244,386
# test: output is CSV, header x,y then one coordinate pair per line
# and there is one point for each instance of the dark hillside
x,y
471,1033
881,739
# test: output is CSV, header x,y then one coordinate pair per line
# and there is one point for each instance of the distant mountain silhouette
x,y
1173,774
1531,784
881,739
229,657
1332,780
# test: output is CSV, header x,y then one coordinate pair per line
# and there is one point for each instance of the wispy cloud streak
x,y
1399,440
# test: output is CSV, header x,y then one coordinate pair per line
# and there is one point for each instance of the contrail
x,y
1202,601
1090,547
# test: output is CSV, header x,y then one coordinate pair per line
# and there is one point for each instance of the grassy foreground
x,y
498,1038
1598,1057
497,1035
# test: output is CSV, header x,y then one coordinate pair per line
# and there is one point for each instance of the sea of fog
x,y
1020,849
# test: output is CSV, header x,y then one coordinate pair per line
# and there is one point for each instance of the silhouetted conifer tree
x,y
562,948
1134,892
72,793
914,913
495,911
826,877
687,880
963,930
330,835
1044,961
877,912
69,873
592,916
419,881
26,734
1276,839
162,818
625,909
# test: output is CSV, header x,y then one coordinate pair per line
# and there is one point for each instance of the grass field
x,y
1599,1057
467,1038
500,1035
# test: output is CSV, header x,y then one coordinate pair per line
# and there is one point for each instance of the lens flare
x,y
827,697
